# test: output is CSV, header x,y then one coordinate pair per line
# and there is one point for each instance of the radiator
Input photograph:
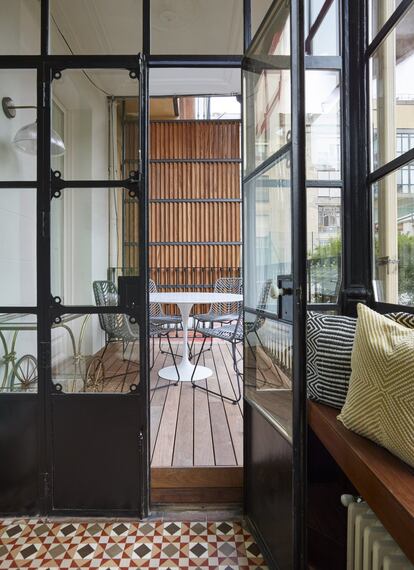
x,y
369,545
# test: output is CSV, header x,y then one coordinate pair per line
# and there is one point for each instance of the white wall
x,y
85,231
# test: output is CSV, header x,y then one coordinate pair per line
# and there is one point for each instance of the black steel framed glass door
x,y
275,284
73,388
96,384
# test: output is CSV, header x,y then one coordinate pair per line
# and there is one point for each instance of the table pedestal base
x,y
185,370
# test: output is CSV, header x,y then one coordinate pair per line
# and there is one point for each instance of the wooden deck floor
x,y
190,427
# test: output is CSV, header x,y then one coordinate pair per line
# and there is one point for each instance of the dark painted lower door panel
x,y
96,453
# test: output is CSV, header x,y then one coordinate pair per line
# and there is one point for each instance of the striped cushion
x,y
380,400
329,347
330,339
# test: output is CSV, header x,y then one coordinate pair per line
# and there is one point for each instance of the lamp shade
x,y
26,140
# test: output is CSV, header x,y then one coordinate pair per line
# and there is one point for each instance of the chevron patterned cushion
x,y
380,400
330,339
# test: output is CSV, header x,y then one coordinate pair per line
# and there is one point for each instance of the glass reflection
x,y
267,121
322,27
392,94
94,237
18,353
324,244
197,27
268,367
95,28
18,247
323,133
95,353
379,12
20,27
393,229
268,250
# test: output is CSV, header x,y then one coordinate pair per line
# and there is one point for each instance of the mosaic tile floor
x,y
109,545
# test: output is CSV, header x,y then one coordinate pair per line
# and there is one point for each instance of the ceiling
x,y
205,27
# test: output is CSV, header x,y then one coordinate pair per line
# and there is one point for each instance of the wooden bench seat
x,y
385,482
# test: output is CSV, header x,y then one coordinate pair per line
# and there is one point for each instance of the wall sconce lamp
x,y
26,138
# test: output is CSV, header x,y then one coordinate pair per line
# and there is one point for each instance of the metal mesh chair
x,y
232,333
158,317
118,327
223,313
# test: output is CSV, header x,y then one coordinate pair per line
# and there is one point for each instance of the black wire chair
x,y
223,313
232,333
158,317
118,328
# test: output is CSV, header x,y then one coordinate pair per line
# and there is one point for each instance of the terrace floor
x,y
190,428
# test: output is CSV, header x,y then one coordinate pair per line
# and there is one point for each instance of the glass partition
x,y
393,234
197,27
323,125
94,238
18,353
18,247
324,239
268,234
19,27
95,353
322,27
18,128
267,91
392,94
94,28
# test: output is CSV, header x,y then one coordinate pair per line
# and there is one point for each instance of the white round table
x,y
185,302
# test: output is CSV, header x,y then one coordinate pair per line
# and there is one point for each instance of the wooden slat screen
x,y
189,160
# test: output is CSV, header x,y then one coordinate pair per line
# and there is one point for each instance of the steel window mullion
x,y
389,25
196,61
324,183
16,184
270,161
391,166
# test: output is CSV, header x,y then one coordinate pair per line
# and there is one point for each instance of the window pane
x,y
267,121
259,9
96,27
19,27
323,127
379,13
197,27
88,354
18,247
268,267
18,353
18,127
324,221
392,92
393,219
268,235
93,232
82,96
322,27
268,369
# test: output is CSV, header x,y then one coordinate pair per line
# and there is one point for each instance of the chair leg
x,y
175,383
214,393
192,341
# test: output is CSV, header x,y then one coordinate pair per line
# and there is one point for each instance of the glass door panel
x,y
274,197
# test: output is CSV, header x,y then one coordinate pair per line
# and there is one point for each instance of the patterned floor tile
x,y
170,545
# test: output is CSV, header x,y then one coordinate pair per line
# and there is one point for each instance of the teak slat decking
x,y
192,428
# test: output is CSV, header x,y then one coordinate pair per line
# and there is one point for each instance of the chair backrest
x,y
262,305
106,295
227,285
155,309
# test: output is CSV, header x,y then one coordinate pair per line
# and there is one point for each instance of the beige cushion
x,y
380,400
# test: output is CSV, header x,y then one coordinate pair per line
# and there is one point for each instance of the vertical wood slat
x,y
189,222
